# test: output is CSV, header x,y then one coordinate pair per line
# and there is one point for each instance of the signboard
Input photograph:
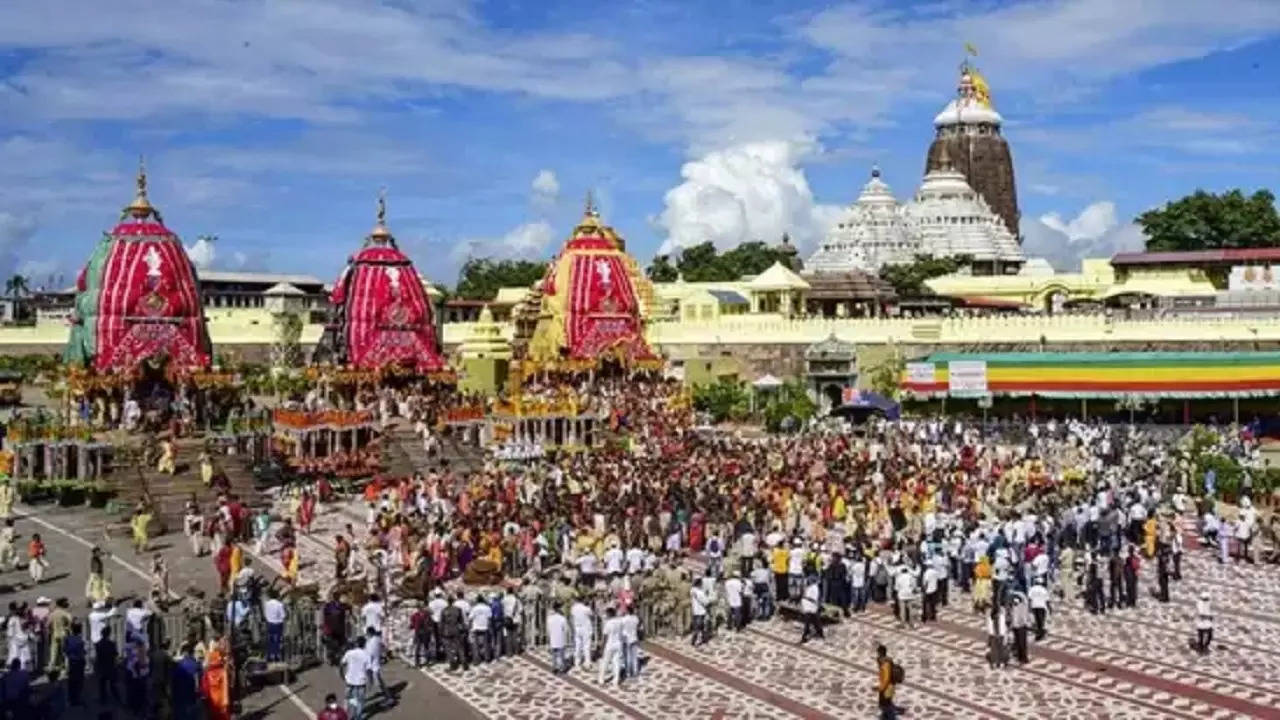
x,y
1254,277
967,378
920,373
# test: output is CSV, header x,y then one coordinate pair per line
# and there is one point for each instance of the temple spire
x,y
591,209
140,208
944,158
380,231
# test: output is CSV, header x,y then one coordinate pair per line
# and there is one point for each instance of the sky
x,y
273,124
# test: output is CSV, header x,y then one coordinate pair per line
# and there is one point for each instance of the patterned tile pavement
x,y
1126,664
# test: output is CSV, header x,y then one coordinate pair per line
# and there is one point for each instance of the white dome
x,y
967,111
950,219
870,234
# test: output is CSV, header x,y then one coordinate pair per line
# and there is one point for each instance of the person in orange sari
x,y
215,684
289,561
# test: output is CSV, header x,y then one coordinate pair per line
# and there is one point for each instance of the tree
x,y
724,400
1207,221
661,269
702,263
908,280
886,376
481,278
790,400
16,287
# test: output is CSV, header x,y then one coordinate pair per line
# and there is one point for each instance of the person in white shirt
x,y
930,578
373,648
698,607
858,580
904,584
611,660
557,639
1204,623
997,634
373,613
1038,598
355,673
587,568
512,616
274,613
810,606
631,641
733,588
613,559
583,633
747,551
635,560
135,622
479,618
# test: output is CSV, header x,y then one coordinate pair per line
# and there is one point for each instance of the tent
x,y
860,404
766,382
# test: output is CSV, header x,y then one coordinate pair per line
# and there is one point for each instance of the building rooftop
x,y
258,277
1198,257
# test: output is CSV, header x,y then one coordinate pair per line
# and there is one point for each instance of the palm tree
x,y
16,287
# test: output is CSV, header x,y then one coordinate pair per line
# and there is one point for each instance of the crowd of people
x,y
697,530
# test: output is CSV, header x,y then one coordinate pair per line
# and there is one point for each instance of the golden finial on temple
x,y
380,230
140,208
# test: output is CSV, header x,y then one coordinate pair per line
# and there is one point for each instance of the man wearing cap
x,y
1204,623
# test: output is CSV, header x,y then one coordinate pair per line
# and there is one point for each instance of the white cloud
x,y
755,191
1095,232
1091,223
525,241
545,189
203,253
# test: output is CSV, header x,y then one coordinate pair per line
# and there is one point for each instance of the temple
x,y
945,218
968,137
138,300
381,318
949,218
869,235
591,307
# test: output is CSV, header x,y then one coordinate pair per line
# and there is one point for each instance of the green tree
x,y
724,400
661,269
908,279
702,263
480,278
17,286
887,375
790,400
1208,221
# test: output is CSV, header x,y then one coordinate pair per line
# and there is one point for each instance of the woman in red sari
x,y
306,512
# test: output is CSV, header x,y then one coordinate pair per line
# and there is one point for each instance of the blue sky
x,y
272,124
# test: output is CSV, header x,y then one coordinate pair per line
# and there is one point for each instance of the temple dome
x,y
591,305
138,298
870,234
381,315
950,219
972,104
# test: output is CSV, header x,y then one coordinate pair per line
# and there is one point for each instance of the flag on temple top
x,y
969,48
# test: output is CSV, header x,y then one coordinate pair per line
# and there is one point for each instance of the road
x,y
69,533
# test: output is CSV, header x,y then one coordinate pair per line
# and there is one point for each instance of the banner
x,y
920,373
967,378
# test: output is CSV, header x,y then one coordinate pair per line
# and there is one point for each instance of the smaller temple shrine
x,y
591,308
138,301
381,317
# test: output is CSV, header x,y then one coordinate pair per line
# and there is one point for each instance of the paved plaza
x,y
1124,664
